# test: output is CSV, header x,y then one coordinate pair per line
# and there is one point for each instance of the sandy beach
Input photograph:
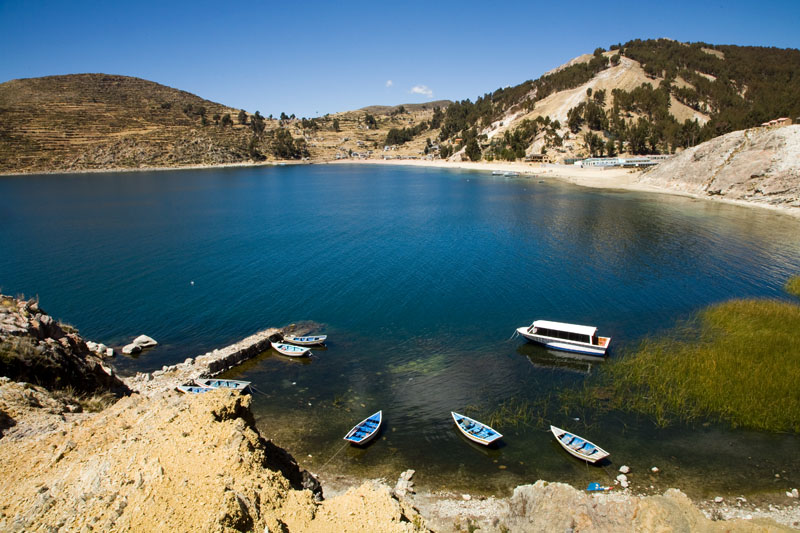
x,y
599,178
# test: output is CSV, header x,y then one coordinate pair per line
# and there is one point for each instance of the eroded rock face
x,y
759,165
35,348
175,462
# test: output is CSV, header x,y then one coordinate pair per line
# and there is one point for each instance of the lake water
x,y
419,276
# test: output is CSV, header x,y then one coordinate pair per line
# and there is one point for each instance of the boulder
x,y
143,341
130,349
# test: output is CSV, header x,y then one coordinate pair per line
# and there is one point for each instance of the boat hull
x,y
232,384
370,426
291,350
565,345
484,434
305,340
569,441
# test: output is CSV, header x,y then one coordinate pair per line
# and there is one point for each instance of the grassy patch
x,y
793,286
741,365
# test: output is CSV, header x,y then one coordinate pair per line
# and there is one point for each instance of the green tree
x,y
370,121
472,150
336,125
226,120
242,117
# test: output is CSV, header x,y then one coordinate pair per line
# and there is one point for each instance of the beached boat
x,y
497,172
577,446
566,337
193,389
290,349
306,340
511,174
366,430
223,383
474,430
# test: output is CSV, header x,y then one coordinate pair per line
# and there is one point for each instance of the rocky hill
x,y
641,97
759,165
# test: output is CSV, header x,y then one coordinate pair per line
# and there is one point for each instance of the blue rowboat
x,y
193,389
366,430
223,384
290,349
474,430
578,446
306,340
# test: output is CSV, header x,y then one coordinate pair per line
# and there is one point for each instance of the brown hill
x,y
86,121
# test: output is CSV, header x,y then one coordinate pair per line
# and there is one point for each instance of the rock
x,y
144,341
655,470
622,477
466,497
795,494
109,352
130,349
624,469
718,499
91,345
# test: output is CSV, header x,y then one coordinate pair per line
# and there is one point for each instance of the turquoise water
x,y
419,276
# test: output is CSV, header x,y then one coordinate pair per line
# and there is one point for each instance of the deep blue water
x,y
419,276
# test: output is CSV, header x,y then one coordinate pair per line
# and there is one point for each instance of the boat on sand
x,y
214,383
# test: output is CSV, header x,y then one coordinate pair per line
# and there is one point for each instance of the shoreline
x,y
602,178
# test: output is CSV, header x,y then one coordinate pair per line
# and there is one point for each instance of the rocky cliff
x,y
37,349
760,165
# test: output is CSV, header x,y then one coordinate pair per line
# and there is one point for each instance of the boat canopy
x,y
569,328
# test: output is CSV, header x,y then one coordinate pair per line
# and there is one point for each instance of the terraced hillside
x,y
86,121
100,121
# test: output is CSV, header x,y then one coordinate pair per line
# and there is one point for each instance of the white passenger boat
x,y
566,337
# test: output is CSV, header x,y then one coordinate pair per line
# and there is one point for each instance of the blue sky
x,y
311,58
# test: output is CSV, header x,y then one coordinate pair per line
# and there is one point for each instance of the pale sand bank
x,y
599,178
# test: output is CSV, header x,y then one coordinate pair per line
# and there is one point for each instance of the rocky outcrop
x,y
139,343
175,462
760,165
545,507
35,348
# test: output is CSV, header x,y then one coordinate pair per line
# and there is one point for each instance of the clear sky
x,y
313,57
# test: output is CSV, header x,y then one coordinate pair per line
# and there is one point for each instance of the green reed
x,y
793,286
739,363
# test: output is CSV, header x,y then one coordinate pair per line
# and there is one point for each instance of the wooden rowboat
x,y
578,446
366,430
223,383
305,340
474,430
193,389
290,349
